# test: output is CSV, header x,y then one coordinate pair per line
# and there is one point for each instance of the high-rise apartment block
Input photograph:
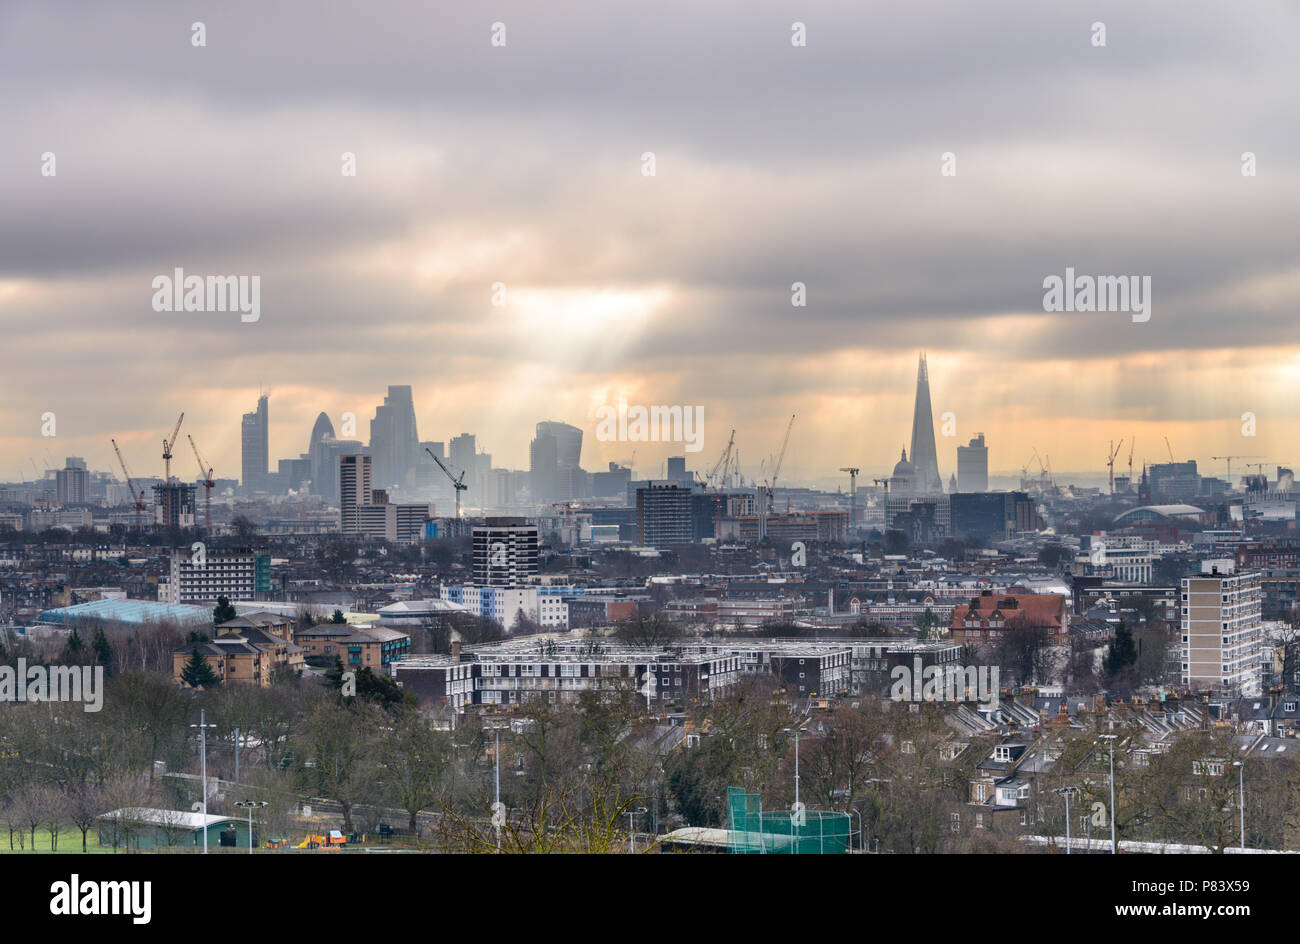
x,y
505,552
237,573
1222,637
367,511
72,482
663,514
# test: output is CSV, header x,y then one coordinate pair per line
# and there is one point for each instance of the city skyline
x,y
286,434
674,288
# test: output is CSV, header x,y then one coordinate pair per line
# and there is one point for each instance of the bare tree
x,y
86,801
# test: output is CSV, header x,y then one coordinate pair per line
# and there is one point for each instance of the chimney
x,y
455,650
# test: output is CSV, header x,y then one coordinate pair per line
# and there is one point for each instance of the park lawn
x,y
69,841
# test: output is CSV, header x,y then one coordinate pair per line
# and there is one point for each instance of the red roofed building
x,y
988,616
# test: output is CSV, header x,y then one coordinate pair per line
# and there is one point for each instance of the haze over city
x,y
477,165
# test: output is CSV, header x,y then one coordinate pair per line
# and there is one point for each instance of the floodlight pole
x,y
203,769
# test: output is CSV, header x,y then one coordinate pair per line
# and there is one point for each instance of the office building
x,y
1174,479
925,457
973,466
256,450
992,516
554,463
394,440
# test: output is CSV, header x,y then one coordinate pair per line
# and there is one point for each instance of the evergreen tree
x,y
1122,652
74,649
197,672
338,618
223,612
103,653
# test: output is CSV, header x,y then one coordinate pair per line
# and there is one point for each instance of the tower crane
x,y
721,464
167,472
167,451
457,483
1229,461
205,474
1131,443
130,484
853,493
1110,462
780,458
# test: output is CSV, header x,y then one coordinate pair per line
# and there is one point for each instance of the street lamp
x,y
631,833
251,805
794,728
498,809
203,770
1114,845
1241,780
1067,792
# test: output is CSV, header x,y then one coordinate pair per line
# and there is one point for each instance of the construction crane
x,y
167,451
167,472
1131,443
457,483
853,493
1229,459
721,464
1110,462
780,458
205,475
1170,450
136,496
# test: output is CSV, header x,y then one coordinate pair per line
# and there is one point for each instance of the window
x,y
956,822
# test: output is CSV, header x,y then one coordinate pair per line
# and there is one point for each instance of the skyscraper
x,y
555,462
256,450
394,442
925,457
973,466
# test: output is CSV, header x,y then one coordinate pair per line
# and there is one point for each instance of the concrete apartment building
x,y
367,511
237,573
505,552
558,669
663,514
1222,636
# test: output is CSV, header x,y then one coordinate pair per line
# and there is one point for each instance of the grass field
x,y
69,841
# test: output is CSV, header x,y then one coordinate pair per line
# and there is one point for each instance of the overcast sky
x,y
774,164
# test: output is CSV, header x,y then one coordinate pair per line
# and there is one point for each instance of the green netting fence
x,y
813,832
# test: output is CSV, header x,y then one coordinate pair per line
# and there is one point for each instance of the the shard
x,y
925,458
